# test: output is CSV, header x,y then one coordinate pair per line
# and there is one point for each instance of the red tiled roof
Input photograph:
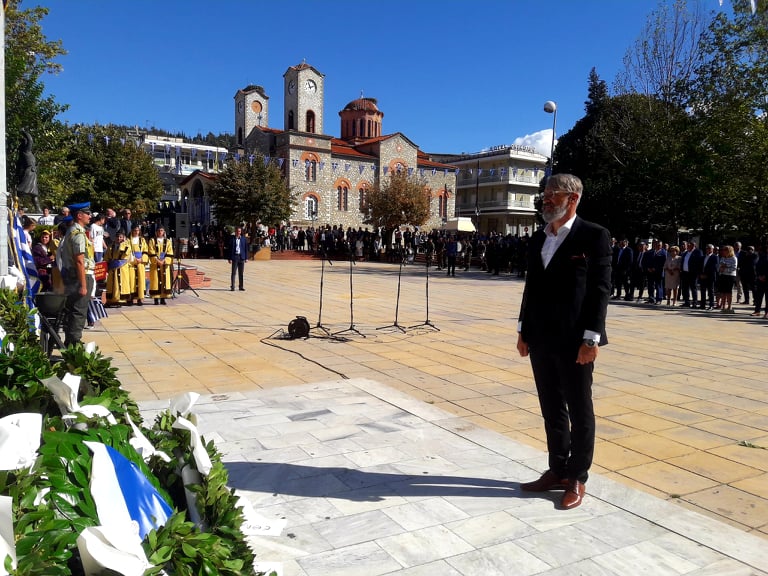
x,y
206,175
363,104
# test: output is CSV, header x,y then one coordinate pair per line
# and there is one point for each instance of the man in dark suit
x,y
623,268
708,276
561,325
693,260
237,255
654,269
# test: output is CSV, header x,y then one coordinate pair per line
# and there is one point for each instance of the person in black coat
x,y
237,254
746,259
761,281
708,277
622,269
560,326
693,260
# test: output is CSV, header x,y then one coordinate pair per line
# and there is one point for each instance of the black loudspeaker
x,y
181,225
298,328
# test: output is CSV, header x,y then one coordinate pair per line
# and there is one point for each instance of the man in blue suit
x,y
561,325
237,254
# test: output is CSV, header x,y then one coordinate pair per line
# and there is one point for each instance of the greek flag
x,y
26,260
123,495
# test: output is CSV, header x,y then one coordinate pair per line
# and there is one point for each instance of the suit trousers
x,y
688,287
565,398
238,266
76,310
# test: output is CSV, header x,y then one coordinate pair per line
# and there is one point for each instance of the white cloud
x,y
541,141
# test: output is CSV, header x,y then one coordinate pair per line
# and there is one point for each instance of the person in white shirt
x,y
46,219
96,234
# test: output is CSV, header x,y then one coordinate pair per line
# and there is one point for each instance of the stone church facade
x,y
329,176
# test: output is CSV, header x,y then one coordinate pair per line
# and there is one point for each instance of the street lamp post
x,y
550,107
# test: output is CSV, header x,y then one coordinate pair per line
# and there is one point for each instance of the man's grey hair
x,y
566,183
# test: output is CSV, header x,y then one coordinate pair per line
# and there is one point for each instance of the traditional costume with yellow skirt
x,y
119,273
139,250
160,268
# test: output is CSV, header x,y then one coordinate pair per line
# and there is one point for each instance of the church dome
x,y
367,104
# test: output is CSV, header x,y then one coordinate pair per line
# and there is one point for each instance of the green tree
x,y
112,171
251,191
29,55
727,101
398,199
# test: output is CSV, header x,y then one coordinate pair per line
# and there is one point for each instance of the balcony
x,y
469,180
495,206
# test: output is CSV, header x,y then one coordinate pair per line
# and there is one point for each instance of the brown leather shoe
x,y
573,495
548,481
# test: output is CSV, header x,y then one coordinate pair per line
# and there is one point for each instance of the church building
x,y
330,175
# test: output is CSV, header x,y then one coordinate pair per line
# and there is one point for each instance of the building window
x,y
343,193
363,206
310,121
442,206
311,208
291,124
311,170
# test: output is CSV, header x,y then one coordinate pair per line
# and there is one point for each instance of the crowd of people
x,y
698,279
139,258
80,254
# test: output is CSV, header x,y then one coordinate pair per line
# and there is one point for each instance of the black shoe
x,y
162,301
157,301
232,289
139,303
242,289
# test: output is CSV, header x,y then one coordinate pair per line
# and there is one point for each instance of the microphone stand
x,y
426,322
397,301
351,300
319,326
180,283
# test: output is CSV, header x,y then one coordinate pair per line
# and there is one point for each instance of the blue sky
x,y
453,76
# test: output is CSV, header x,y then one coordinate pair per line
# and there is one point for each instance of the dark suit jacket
x,y
695,261
710,269
243,248
625,259
571,294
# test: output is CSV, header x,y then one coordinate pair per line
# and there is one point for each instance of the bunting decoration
x,y
386,169
361,168
334,166
295,162
347,167
280,162
321,165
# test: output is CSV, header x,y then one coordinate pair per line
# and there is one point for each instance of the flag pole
x,y
3,164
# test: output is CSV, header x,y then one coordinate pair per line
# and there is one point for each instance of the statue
x,y
26,171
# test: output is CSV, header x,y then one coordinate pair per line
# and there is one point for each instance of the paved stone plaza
x,y
337,434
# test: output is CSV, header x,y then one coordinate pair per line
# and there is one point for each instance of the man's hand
x,y
522,345
587,354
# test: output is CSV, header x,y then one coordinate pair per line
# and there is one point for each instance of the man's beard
x,y
553,214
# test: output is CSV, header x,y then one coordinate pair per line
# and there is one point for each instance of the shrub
x,y
52,502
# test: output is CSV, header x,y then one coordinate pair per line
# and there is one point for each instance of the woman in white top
x,y
726,278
